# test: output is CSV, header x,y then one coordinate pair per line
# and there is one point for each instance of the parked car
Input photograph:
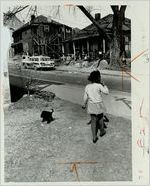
x,y
37,62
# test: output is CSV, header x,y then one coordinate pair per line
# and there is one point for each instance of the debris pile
x,y
98,64
48,96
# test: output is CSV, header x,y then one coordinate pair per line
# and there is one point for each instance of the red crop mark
x,y
74,167
79,162
140,143
140,171
138,55
142,131
129,73
69,5
141,116
140,177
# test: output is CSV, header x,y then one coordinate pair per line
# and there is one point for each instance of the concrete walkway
x,y
117,103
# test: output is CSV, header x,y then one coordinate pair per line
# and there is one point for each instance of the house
x,y
41,36
88,41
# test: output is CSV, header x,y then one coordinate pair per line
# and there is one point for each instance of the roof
x,y
35,22
106,23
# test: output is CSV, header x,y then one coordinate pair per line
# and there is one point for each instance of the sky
x,y
70,16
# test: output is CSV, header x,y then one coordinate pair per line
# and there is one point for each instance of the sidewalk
x,y
72,68
117,103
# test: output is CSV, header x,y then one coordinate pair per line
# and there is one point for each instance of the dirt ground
x,y
42,153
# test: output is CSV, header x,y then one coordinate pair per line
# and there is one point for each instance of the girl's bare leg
x,y
93,126
101,124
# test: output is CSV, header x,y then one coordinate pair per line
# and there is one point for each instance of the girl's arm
x,y
85,99
104,89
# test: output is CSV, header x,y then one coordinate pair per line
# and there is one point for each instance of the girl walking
x,y
93,101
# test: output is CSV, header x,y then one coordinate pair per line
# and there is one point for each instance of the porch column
x,y
46,50
63,48
39,50
43,52
33,50
88,47
82,46
104,46
74,49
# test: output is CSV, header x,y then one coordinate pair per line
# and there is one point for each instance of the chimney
x,y
32,17
97,16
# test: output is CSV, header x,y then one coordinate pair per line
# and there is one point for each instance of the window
x,y
44,59
126,39
126,47
46,28
34,59
40,30
68,31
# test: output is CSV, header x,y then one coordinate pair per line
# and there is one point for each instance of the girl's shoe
x,y
105,126
94,141
102,133
89,122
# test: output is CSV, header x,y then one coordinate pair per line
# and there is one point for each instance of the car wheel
x,y
35,68
25,66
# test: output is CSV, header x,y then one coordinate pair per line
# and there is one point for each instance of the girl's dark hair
x,y
95,77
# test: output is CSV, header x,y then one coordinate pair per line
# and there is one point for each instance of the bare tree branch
x,y
89,9
123,8
115,8
19,10
100,30
58,11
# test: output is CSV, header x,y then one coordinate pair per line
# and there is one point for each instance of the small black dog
x,y
47,116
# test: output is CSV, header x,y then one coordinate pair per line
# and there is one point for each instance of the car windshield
x,y
34,59
45,59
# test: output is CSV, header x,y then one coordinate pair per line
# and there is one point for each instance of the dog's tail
x,y
106,119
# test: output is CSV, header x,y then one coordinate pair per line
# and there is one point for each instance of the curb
x,y
103,73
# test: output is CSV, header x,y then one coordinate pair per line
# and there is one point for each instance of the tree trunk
x,y
117,44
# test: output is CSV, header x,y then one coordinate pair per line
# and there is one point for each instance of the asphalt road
x,y
66,77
